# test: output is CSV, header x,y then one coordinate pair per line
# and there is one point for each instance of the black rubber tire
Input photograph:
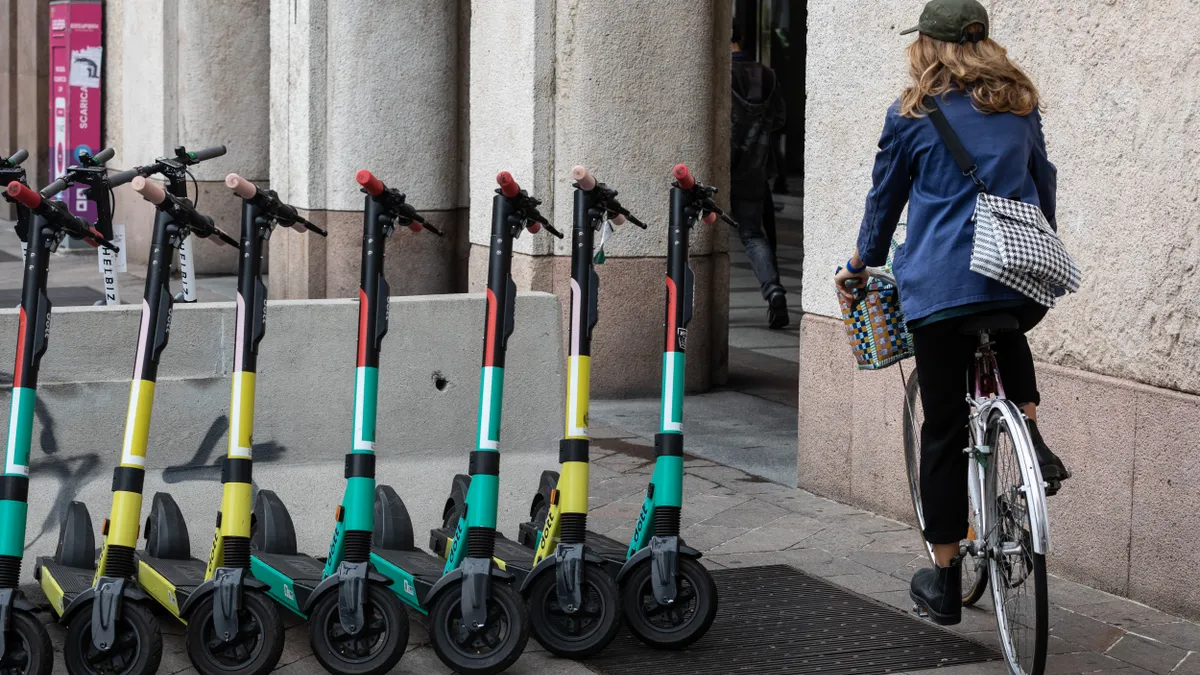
x,y
28,649
387,621
599,618
505,612
641,609
259,644
137,651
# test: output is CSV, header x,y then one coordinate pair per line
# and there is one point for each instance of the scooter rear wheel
x,y
672,627
256,648
376,648
490,650
137,649
589,629
27,646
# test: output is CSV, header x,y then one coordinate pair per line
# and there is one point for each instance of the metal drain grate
x,y
777,619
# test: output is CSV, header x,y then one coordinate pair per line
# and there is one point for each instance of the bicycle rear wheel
x,y
974,569
1017,572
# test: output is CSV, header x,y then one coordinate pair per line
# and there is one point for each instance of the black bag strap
x,y
955,146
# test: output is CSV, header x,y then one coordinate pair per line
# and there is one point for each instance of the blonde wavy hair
x,y
983,69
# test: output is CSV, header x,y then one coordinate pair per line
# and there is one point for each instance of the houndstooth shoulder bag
x,y
1013,243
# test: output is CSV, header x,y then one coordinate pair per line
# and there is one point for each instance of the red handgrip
x,y
534,228
508,186
370,183
24,194
684,177
709,218
415,226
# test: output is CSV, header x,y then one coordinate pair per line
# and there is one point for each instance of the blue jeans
x,y
751,216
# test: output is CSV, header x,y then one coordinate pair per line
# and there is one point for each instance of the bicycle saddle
x,y
1000,322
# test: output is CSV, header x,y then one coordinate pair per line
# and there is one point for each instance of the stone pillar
x,y
192,73
8,90
628,89
371,85
25,86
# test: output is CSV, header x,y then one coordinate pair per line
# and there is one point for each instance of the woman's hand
x,y
849,291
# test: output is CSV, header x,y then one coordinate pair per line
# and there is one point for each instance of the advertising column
x,y
75,105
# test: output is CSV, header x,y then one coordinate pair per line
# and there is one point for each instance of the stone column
x,y
371,85
8,90
628,89
192,73
25,39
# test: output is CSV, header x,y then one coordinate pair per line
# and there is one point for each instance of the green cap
x,y
947,20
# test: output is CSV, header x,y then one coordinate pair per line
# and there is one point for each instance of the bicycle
x,y
1009,529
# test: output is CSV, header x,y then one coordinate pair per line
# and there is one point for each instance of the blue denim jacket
x,y
913,166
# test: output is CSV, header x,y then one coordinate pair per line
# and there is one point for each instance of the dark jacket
x,y
914,167
758,110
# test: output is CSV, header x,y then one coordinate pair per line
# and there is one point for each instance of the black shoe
x,y
938,590
777,313
1054,472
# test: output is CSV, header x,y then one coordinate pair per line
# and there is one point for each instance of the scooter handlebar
x,y
54,188
24,194
104,155
240,186
149,191
684,176
17,157
369,182
119,179
204,154
508,184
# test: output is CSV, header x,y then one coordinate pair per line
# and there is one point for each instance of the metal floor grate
x,y
777,619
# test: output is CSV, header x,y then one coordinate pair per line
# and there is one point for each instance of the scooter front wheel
x,y
375,649
583,632
27,646
254,650
490,649
678,625
136,650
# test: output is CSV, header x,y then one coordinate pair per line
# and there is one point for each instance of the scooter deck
x,y
70,580
184,574
425,568
516,557
606,547
303,571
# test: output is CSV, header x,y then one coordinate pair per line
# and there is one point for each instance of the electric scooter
x,y
232,626
91,172
110,627
668,599
24,642
356,625
477,621
573,602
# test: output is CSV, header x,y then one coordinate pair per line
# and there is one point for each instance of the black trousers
x,y
945,358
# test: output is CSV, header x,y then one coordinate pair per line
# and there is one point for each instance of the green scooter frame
x,y
357,625
477,622
24,642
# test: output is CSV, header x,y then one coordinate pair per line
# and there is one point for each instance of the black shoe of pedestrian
x,y
938,590
1054,472
777,312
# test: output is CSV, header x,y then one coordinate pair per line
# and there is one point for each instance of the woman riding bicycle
x,y
993,107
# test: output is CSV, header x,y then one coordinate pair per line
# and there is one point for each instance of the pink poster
x,y
75,103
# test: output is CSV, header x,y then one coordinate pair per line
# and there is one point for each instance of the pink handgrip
x,y
587,182
149,191
299,227
508,186
240,186
370,183
709,218
684,177
534,228
24,194
618,219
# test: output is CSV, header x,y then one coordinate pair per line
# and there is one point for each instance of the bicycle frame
x,y
988,402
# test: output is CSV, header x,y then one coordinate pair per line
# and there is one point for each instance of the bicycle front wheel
x,y
974,570
1017,572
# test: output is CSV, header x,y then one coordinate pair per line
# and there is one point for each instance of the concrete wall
x,y
191,73
1123,125
24,86
429,392
351,91
553,86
